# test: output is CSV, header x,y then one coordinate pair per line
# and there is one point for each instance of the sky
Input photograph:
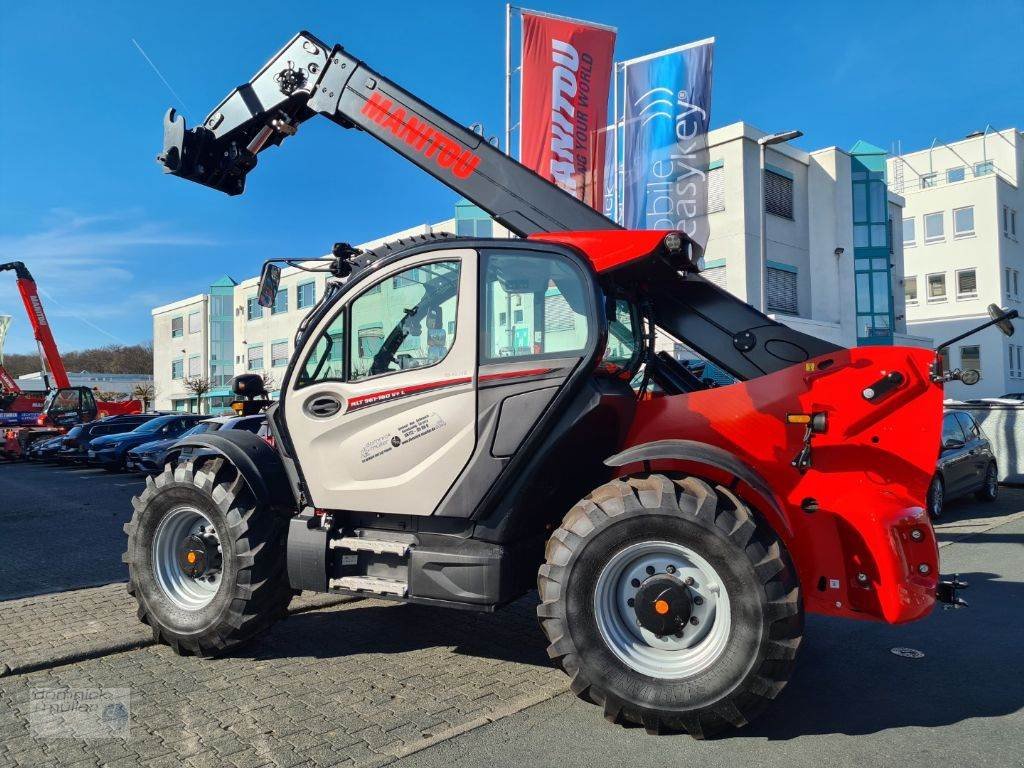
x,y
108,236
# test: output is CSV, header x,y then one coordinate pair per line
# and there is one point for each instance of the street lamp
x,y
763,143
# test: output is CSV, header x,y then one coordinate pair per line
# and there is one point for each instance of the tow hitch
x,y
946,592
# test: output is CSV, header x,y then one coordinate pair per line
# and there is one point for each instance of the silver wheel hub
x,y
703,631
187,558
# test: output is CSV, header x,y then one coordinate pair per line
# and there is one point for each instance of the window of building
x,y
1009,221
253,310
177,369
955,174
194,366
1015,360
503,318
280,303
404,325
910,289
944,357
963,221
934,227
716,189
255,357
909,232
781,290
305,295
928,180
937,287
970,357
778,194
474,228
1012,283
984,168
194,326
966,284
177,327
279,354
716,275
542,284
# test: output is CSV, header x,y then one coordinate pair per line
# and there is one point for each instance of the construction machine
x,y
27,418
465,419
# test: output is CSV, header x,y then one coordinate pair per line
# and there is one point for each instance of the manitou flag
x,y
566,72
667,111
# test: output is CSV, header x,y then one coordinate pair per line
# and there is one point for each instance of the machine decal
x,y
387,395
431,143
405,433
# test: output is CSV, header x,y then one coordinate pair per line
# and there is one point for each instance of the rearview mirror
x,y
270,279
1003,318
970,376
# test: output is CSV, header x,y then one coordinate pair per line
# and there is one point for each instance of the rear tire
x,y
659,681
990,490
936,497
221,608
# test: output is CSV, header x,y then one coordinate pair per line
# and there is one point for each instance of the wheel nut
x,y
698,600
630,602
916,534
694,620
923,568
635,583
650,570
862,578
671,569
688,581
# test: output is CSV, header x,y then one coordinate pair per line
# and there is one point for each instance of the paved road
x,y
60,527
372,683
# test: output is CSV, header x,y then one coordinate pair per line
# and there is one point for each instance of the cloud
x,y
77,257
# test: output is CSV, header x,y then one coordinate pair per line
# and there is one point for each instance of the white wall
x,y
166,348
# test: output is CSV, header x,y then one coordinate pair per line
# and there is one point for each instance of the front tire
x,y
742,616
206,560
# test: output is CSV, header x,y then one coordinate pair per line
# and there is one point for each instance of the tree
x,y
268,381
198,386
146,393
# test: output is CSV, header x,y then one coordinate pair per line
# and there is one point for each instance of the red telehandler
x,y
676,534
27,418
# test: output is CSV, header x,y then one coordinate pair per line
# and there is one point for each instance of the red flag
x,y
567,67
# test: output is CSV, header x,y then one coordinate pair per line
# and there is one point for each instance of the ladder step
x,y
377,546
371,584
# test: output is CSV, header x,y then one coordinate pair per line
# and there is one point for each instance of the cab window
x,y
624,337
532,304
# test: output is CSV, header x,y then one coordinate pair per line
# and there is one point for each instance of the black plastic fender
x,y
258,463
712,456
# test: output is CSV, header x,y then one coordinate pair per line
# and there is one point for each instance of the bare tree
x,y
146,393
268,380
198,386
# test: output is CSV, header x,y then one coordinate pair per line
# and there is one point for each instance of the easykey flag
x,y
566,74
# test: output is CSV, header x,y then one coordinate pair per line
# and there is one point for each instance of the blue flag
x,y
666,115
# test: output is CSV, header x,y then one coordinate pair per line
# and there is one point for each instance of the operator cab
x,y
68,406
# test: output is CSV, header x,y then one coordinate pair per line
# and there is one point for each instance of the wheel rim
x,y
991,481
936,496
705,634
185,591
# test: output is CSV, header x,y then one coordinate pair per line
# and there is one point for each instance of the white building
x,y
122,383
963,250
834,270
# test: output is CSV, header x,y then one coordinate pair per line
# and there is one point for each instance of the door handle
x,y
323,406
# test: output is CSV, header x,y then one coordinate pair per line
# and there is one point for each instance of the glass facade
x,y
471,221
222,335
872,232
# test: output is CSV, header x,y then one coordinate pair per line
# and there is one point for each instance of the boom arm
x,y
40,326
306,78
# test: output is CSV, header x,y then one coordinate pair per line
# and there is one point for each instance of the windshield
x,y
203,426
62,401
152,426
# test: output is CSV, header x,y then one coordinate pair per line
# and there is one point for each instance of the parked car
x,y
967,463
149,457
75,444
111,451
1013,396
44,450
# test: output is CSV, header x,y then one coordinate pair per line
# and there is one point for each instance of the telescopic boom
x,y
40,326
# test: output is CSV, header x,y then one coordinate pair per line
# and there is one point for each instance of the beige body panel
x,y
401,438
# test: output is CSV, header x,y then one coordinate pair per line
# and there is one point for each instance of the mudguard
x,y
858,534
258,463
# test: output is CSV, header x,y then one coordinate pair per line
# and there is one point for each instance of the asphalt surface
x,y
60,527
374,683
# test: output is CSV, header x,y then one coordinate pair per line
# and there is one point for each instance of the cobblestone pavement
x,y
355,684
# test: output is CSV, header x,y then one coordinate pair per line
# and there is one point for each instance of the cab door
x,y
381,407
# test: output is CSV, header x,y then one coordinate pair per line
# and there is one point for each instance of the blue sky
x,y
108,236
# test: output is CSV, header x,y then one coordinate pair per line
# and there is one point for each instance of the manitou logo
x,y
569,131
431,143
37,307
